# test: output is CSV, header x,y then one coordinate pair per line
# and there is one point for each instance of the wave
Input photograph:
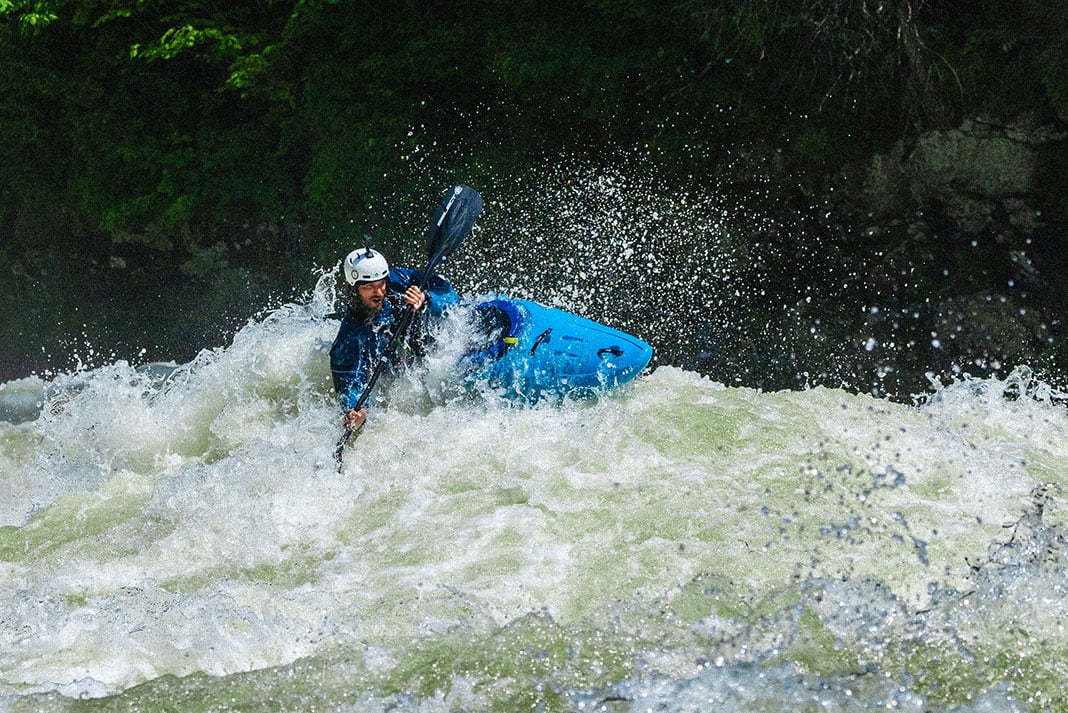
x,y
178,533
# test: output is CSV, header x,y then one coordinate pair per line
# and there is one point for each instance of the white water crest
x,y
178,536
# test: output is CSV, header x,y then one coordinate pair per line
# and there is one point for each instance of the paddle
x,y
449,225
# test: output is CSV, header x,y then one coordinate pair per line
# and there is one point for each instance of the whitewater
x,y
177,537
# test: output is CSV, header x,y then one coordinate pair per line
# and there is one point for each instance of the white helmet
x,y
365,265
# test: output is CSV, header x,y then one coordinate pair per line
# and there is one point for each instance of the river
x,y
176,537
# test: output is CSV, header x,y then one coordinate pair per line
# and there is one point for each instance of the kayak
x,y
531,352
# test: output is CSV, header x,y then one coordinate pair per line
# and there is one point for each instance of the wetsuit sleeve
x,y
441,294
350,360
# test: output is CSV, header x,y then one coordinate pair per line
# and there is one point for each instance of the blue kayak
x,y
533,352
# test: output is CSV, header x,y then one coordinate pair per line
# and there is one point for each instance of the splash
x,y
612,240
178,535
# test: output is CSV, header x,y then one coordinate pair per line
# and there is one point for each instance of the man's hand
x,y
415,297
354,419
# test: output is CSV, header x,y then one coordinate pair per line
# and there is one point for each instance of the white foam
x,y
191,519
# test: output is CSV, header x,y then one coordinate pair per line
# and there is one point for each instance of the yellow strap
x,y
511,340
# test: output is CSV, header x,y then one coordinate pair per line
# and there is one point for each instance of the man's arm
x,y
440,295
349,363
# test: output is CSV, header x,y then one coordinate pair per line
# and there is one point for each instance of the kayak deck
x,y
533,352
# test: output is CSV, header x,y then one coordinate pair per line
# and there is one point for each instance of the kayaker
x,y
376,295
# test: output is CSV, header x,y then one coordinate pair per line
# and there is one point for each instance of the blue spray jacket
x,y
359,344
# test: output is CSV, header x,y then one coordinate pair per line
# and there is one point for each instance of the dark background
x,y
887,178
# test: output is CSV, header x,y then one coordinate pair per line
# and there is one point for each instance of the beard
x,y
363,310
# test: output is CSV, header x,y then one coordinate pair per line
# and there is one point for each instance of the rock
x,y
982,176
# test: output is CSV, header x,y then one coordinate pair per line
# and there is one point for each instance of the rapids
x,y
177,537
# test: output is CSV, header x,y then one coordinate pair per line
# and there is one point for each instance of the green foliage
x,y
31,16
214,44
1052,53
848,60
145,121
122,114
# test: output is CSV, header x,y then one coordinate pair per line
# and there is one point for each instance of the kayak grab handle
x,y
543,337
614,351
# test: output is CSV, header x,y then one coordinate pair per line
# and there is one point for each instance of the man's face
x,y
372,294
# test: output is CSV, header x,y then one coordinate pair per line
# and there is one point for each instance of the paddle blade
x,y
451,222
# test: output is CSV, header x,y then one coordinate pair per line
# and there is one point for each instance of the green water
x,y
183,542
